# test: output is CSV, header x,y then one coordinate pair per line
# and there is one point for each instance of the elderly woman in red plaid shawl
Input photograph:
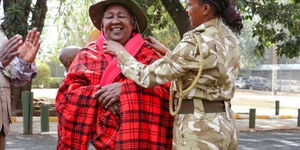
x,y
140,118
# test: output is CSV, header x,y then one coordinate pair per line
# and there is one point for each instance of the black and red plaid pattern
x,y
144,123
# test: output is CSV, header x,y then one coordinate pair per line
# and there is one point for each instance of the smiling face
x,y
117,24
199,12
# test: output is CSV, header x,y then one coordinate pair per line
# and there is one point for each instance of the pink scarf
x,y
113,71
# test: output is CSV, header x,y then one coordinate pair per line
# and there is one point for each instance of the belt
x,y
209,106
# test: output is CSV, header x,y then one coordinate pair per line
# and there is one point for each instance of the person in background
x,y
203,68
17,68
139,119
67,55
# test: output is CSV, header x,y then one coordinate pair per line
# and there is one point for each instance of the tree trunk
x,y
39,14
16,22
16,16
178,14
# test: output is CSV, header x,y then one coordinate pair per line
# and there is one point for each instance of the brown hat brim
x,y
97,10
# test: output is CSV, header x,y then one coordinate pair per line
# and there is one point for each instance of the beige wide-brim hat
x,y
97,11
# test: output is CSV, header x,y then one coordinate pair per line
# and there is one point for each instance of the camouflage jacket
x,y
220,63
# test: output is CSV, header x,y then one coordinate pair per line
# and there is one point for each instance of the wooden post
x,y
27,100
252,118
277,106
298,117
44,118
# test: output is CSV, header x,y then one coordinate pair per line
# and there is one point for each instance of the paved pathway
x,y
249,140
270,140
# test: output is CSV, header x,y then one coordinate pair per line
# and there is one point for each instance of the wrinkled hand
x,y
30,47
112,47
159,47
114,108
9,50
108,94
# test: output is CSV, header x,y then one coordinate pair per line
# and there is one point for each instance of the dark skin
x,y
117,25
27,51
30,47
9,50
108,96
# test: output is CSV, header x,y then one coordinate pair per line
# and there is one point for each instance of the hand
x,y
30,47
159,47
112,47
115,109
9,50
108,94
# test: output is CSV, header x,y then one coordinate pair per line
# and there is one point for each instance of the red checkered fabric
x,y
144,123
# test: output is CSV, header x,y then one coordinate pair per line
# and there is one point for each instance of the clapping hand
x,y
29,49
9,50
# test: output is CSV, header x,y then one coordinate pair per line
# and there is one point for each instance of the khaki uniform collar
x,y
212,22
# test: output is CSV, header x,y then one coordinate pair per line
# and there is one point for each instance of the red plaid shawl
x,y
144,123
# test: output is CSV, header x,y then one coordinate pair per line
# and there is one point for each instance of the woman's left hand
x,y
112,47
108,94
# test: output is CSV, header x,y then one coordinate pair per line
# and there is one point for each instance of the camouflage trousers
x,y
205,131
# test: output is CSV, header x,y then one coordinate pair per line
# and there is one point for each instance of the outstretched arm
x,y
161,49
23,67
28,51
172,66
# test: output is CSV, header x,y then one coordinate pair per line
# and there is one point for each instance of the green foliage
x,y
277,24
160,23
55,82
168,35
247,44
156,14
43,75
74,23
15,21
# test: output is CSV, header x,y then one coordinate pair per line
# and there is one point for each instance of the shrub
x,y
43,75
55,82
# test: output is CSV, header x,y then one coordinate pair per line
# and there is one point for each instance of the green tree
x,y
72,23
20,16
160,23
248,60
278,24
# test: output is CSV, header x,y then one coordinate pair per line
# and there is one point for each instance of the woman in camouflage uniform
x,y
203,68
